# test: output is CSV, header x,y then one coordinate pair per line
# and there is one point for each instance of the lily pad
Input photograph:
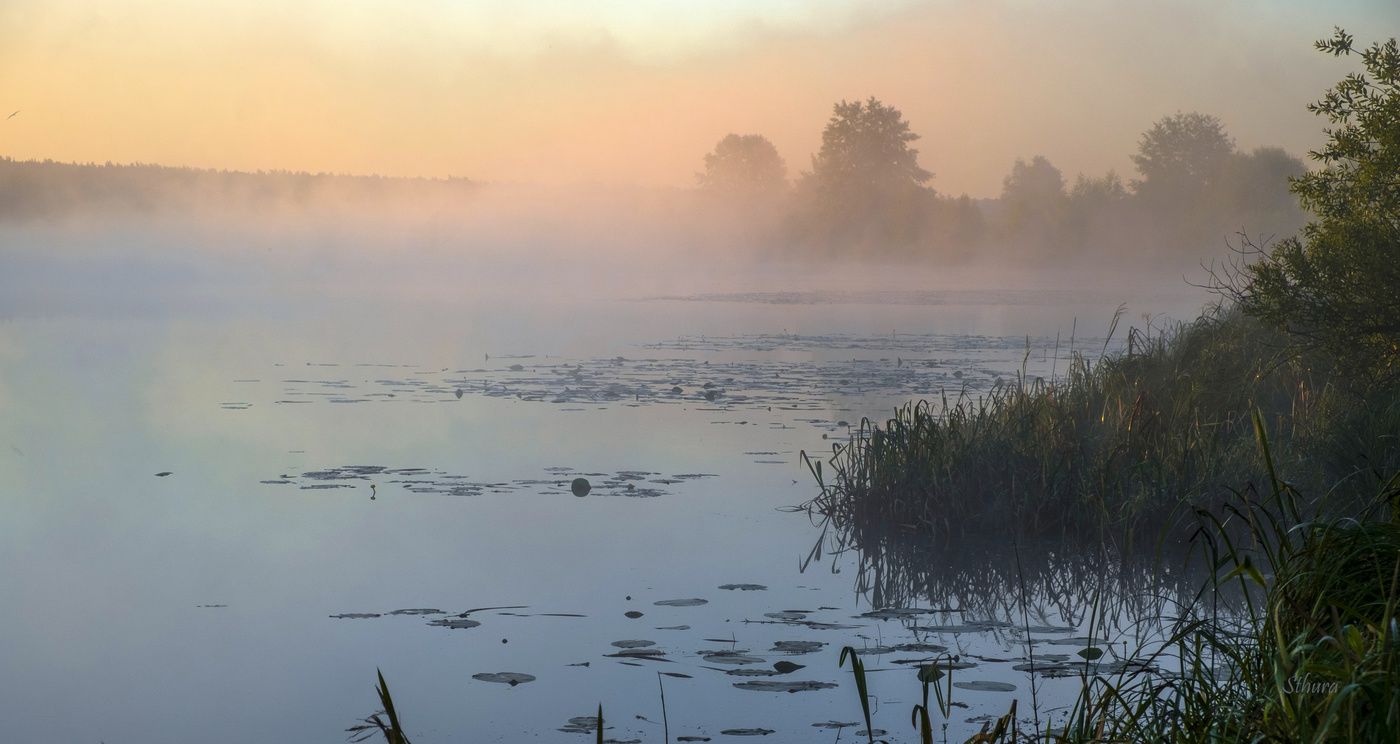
x,y
798,647
893,613
745,587
954,629
1076,641
1049,629
356,615
948,665
787,616
747,732
692,602
580,487
731,657
787,667
632,614
1045,667
989,624
457,623
1125,665
776,686
418,612
508,678
742,672
835,724
1091,653
692,738
582,725
633,644
920,648
982,685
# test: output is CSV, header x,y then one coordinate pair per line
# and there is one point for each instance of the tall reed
x,y
1120,446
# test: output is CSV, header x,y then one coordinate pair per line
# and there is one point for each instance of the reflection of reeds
x,y
1056,584
1118,447
1310,652
1318,660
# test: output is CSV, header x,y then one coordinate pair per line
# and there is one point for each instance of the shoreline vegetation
x,y
1265,435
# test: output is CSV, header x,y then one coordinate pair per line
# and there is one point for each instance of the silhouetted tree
x,y
1098,192
865,149
1338,286
1033,197
743,165
1098,213
1255,187
1181,156
1183,160
865,188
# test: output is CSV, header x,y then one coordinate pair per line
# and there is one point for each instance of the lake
x,y
226,506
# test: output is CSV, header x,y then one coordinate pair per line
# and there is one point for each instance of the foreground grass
x,y
1310,654
1315,657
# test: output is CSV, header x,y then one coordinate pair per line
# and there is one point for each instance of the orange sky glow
x,y
629,93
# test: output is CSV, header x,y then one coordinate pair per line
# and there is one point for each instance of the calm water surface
x,y
341,458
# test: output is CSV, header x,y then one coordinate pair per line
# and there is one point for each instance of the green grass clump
x,y
1127,443
1316,658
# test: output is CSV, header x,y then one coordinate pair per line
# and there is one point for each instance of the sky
x,y
632,92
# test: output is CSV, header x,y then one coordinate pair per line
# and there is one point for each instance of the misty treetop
x,y
865,147
1033,199
865,194
1195,192
744,164
1181,155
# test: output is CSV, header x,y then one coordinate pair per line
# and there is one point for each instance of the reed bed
x,y
1120,447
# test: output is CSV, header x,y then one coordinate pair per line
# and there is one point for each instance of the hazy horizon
x,y
622,93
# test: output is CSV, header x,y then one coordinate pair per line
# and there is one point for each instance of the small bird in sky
x,y
11,116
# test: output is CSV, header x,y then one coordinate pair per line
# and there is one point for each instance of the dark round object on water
x,y
504,641
633,614
580,487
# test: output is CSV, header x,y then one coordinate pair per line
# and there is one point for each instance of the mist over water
x,y
468,369
263,433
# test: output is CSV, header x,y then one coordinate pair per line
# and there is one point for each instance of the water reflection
x,y
990,586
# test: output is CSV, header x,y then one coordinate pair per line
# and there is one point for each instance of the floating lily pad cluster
x,y
774,670
630,483
914,365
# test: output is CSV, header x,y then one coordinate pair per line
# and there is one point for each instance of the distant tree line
x,y
867,195
33,189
